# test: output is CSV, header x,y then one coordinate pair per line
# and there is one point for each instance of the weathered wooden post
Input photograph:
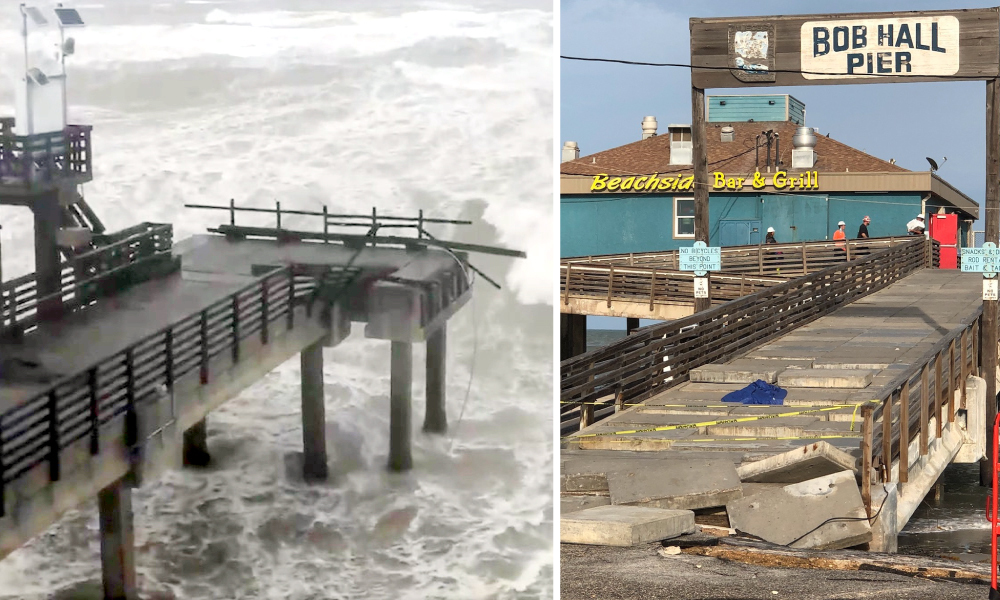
x,y
117,542
699,158
992,219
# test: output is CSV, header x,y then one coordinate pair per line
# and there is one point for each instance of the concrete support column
x,y
631,325
196,445
314,466
117,542
400,391
885,529
48,265
573,335
436,417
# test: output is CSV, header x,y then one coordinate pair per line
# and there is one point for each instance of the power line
x,y
793,71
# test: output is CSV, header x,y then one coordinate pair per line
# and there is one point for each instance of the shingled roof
x,y
652,155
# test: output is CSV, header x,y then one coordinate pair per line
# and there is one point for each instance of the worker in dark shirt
x,y
863,234
863,230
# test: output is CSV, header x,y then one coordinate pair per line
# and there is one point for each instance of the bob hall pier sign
x,y
845,48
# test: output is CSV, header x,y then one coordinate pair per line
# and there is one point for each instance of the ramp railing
x,y
902,413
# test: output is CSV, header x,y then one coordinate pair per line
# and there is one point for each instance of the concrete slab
x,y
826,378
624,525
839,364
679,484
764,428
801,464
778,363
568,504
795,514
732,374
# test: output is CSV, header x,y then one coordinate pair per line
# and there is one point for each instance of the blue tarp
x,y
758,392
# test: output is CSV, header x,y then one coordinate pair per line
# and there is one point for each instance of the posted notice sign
x,y
700,257
701,287
981,260
990,289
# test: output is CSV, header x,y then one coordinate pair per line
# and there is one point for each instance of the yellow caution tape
x,y
725,421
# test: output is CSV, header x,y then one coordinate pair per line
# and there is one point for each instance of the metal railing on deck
x,y
75,407
44,157
782,260
903,412
19,299
658,357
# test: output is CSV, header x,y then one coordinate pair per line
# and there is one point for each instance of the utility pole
x,y
989,349
699,158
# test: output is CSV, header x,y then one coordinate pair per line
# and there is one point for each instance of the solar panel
x,y
36,15
69,17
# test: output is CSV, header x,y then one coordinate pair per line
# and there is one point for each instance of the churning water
x,y
444,106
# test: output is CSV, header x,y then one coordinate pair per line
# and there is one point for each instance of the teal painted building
x,y
844,184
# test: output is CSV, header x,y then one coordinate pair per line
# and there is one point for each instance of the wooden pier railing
x,y
84,274
658,357
652,286
75,407
782,260
903,413
43,158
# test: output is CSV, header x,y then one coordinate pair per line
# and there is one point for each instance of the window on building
x,y
683,217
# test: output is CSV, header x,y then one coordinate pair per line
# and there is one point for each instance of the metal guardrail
x,y
77,406
658,357
781,260
46,157
903,412
83,274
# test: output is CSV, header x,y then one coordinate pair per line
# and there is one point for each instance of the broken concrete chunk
x,y
797,515
568,504
624,525
801,464
677,483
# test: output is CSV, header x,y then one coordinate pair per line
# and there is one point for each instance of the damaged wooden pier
x,y
114,352
880,357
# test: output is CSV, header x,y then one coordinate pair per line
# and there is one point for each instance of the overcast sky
x,y
603,104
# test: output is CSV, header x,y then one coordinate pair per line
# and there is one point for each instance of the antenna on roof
x,y
934,165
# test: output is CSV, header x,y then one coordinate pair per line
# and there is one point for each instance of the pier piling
x,y
196,445
117,542
436,416
314,465
400,384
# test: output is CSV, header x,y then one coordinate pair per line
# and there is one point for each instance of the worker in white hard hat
x,y
916,226
769,238
840,236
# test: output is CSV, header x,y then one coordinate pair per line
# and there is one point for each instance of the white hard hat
x,y
920,216
841,223
770,229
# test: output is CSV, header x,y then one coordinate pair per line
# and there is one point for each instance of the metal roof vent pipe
x,y
728,134
570,151
804,148
648,127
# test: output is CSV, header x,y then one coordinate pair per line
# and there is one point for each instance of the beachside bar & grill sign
x,y
781,180
898,46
